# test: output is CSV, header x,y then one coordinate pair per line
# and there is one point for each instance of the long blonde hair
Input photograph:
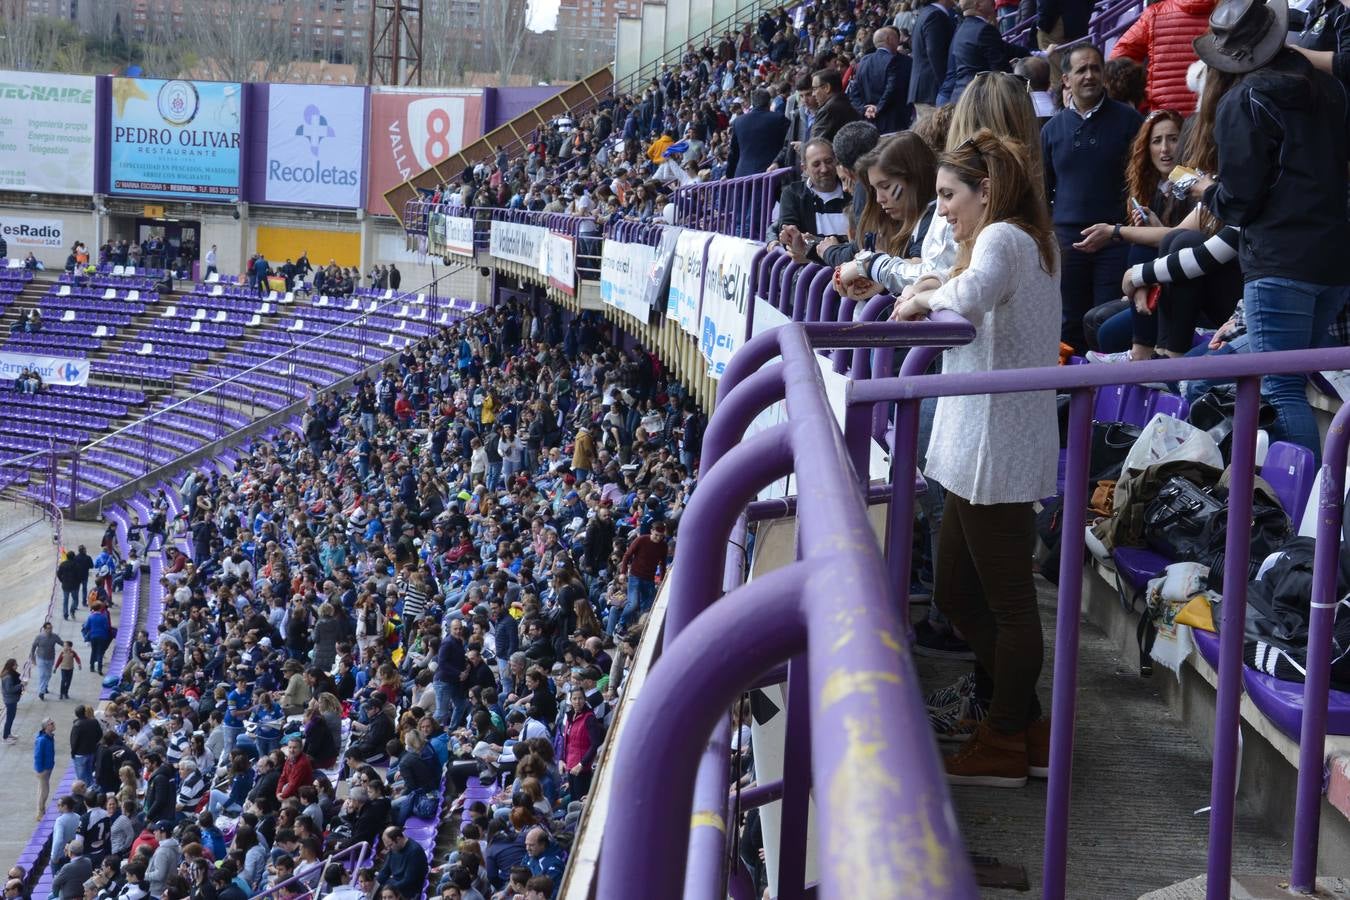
x,y
999,102
1013,197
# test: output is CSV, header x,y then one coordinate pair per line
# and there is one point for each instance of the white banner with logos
x,y
59,370
459,235
46,132
518,243
32,234
560,262
315,137
686,280
726,294
623,276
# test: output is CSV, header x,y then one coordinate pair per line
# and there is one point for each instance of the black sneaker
x,y
941,643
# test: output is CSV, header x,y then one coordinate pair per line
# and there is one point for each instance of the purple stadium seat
x,y
1134,404
1289,470
1137,565
1169,404
1109,400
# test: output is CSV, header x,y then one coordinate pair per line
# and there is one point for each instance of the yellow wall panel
x,y
279,244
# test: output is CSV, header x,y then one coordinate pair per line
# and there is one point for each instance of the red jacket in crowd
x,y
1162,36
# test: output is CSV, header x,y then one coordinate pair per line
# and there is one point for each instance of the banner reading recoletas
x,y
519,243
52,369
726,291
46,132
413,130
686,280
175,138
623,276
560,262
314,138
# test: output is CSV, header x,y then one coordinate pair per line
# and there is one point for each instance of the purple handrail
x,y
316,874
740,207
1081,382
848,675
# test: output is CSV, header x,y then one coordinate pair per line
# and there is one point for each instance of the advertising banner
x,y
518,243
623,277
726,291
560,262
57,370
46,133
458,235
413,130
175,138
436,233
658,276
32,234
315,134
686,280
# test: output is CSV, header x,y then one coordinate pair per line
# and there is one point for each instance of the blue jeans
x,y
44,669
445,699
70,602
1284,314
641,596
231,734
84,767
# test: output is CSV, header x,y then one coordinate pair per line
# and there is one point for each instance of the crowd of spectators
x,y
446,571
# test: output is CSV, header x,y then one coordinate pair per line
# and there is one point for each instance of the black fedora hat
x,y
1244,34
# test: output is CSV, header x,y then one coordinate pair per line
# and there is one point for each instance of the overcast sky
x,y
543,13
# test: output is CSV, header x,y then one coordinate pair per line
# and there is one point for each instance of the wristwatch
x,y
863,260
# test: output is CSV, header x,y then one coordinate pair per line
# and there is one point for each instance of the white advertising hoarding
x,y
518,243
686,280
623,276
560,261
22,235
726,291
315,135
46,132
59,370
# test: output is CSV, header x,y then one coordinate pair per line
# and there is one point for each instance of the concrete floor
x,y
27,564
1138,779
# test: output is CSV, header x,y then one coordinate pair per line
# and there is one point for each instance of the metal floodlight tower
x,y
395,42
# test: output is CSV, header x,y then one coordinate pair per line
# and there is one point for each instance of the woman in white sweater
x,y
994,454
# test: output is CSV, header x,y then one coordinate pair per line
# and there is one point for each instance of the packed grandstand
x,y
401,594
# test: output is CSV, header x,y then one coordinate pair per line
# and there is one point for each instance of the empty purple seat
x,y
1288,468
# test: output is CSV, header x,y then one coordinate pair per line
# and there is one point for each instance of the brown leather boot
x,y
990,759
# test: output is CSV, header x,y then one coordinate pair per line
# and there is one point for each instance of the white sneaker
x,y
1096,356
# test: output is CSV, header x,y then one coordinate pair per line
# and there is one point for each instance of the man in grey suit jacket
x,y
69,882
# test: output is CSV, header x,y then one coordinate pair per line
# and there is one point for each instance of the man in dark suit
x,y
929,44
977,47
756,137
833,111
880,88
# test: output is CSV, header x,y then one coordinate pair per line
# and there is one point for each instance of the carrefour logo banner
x,y
46,132
315,134
175,138
51,369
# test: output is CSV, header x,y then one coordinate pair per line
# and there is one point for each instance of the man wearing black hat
x,y
1281,133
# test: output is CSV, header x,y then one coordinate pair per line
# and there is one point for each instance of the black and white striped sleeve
x,y
1189,262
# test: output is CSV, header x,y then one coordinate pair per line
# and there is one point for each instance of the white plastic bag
x,y
1169,439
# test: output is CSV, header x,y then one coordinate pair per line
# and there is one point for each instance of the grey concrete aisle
x,y
27,564
1138,779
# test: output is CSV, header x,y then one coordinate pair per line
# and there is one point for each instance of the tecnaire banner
x,y
314,138
175,138
46,132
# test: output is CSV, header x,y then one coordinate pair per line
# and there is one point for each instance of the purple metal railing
x,y
740,207
352,858
1081,382
848,673
1110,18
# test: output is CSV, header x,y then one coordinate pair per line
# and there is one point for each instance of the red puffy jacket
x,y
1163,36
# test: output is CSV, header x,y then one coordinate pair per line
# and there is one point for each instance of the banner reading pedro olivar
x,y
726,293
175,138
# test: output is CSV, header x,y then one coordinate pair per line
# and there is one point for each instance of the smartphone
x,y
1137,208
